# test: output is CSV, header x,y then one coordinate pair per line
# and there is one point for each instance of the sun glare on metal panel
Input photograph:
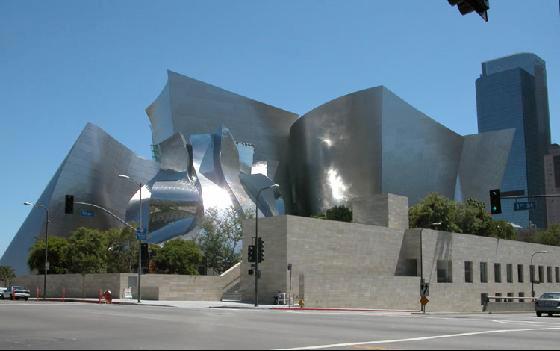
x,y
215,197
338,187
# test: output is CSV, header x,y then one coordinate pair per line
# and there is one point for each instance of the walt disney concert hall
x,y
212,147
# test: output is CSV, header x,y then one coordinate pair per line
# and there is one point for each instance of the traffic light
x,y
260,250
144,254
69,205
495,202
251,253
467,6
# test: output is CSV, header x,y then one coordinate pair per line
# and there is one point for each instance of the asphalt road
x,y
38,325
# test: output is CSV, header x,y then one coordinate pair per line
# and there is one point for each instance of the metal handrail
x,y
511,298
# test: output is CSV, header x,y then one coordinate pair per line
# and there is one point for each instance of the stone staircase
x,y
233,293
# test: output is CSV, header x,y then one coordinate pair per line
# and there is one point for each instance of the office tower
x,y
552,177
512,93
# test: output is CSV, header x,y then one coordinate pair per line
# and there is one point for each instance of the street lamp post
x,y
534,271
27,203
422,281
140,230
273,186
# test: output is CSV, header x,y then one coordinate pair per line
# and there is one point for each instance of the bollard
x,y
37,290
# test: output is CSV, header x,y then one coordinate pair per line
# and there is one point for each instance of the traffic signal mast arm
x,y
108,212
529,196
496,197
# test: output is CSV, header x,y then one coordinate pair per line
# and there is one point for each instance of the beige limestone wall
x,y
337,264
462,296
386,210
154,286
316,247
74,285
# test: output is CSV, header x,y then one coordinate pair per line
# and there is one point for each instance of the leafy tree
x,y
434,208
7,274
219,238
122,250
469,217
178,257
551,236
502,230
339,213
87,251
57,256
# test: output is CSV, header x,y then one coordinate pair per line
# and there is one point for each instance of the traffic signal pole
x,y
257,254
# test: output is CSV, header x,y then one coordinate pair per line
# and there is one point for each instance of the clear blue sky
x,y
64,63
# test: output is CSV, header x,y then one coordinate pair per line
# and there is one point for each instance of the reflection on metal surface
x,y
222,171
337,186
192,107
372,142
173,204
355,146
89,172
270,203
246,153
260,167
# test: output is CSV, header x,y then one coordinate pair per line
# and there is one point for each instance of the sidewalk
x,y
162,303
216,304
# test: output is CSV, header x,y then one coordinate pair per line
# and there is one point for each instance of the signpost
x,y
141,234
424,291
524,205
87,213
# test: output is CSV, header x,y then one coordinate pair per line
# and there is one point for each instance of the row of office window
x,y
445,273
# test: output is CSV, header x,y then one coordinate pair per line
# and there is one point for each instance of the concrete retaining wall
x,y
336,264
154,286
74,285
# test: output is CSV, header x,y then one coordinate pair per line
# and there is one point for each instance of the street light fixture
x,y
273,187
534,271
28,203
139,230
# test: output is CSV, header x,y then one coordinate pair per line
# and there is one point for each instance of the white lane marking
x,y
351,313
501,321
422,338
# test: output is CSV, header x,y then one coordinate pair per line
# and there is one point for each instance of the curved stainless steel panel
x,y
336,152
89,172
231,170
190,106
372,142
270,204
172,205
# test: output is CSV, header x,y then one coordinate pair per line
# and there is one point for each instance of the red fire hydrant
x,y
107,296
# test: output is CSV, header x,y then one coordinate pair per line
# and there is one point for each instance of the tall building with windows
x,y
552,176
512,93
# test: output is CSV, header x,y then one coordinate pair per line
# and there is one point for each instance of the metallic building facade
x,y
189,106
372,142
512,93
211,144
89,172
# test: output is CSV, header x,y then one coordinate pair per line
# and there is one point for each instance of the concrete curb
x,y
55,299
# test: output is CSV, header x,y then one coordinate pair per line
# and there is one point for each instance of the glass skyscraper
x,y
512,93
